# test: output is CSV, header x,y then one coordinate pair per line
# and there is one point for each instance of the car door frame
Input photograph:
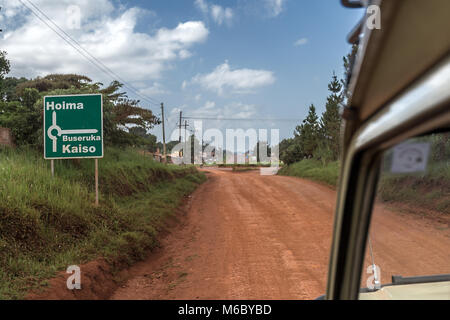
x,y
420,108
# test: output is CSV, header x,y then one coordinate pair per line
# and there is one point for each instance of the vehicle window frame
x,y
421,108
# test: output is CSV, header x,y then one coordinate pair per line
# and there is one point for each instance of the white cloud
x,y
232,110
184,54
202,5
221,15
240,110
301,42
237,81
218,13
154,89
106,31
275,7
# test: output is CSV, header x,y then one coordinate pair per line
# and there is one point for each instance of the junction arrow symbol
x,y
54,126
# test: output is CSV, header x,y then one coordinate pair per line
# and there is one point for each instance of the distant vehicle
x,y
399,89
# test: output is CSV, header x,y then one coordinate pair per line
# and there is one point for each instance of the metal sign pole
x,y
52,166
96,182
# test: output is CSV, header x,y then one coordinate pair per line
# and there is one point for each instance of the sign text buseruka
x,y
73,126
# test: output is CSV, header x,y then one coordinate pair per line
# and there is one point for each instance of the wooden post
x,y
52,166
180,154
164,133
96,182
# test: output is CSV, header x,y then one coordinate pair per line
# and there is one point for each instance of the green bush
x,y
314,170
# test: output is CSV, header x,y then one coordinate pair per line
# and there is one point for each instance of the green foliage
x,y
22,111
169,146
49,223
4,70
4,65
308,133
330,123
56,81
292,153
8,88
430,190
143,139
25,121
348,65
440,150
433,186
314,170
317,139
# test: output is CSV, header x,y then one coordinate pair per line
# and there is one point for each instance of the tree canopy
x,y
125,122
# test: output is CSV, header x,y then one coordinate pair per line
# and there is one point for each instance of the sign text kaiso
x,y
73,126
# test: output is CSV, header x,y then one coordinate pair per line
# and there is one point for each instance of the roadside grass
x,y
244,169
429,191
244,165
314,170
47,224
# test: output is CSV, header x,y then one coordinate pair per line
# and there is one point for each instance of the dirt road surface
x,y
246,236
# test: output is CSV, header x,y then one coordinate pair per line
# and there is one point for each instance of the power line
x,y
92,59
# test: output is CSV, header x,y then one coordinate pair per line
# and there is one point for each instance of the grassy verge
x,y
313,170
428,191
48,224
244,169
245,166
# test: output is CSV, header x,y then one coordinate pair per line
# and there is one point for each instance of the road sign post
x,y
73,129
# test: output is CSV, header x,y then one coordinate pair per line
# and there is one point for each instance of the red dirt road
x,y
247,236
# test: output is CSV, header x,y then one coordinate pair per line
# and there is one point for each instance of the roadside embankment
x,y
48,224
429,190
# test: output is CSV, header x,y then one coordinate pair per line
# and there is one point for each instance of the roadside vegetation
x,y
313,170
428,190
313,153
47,224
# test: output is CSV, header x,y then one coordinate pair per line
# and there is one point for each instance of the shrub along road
x,y
247,236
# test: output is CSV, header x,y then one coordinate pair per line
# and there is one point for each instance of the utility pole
x,y
180,125
181,119
185,138
164,132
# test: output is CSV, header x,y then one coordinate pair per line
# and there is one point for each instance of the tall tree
x,y
4,69
57,81
308,133
143,138
330,122
348,66
292,153
8,89
119,112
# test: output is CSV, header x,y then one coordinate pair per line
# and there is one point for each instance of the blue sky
x,y
209,58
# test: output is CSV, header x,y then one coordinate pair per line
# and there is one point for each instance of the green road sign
x,y
73,126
